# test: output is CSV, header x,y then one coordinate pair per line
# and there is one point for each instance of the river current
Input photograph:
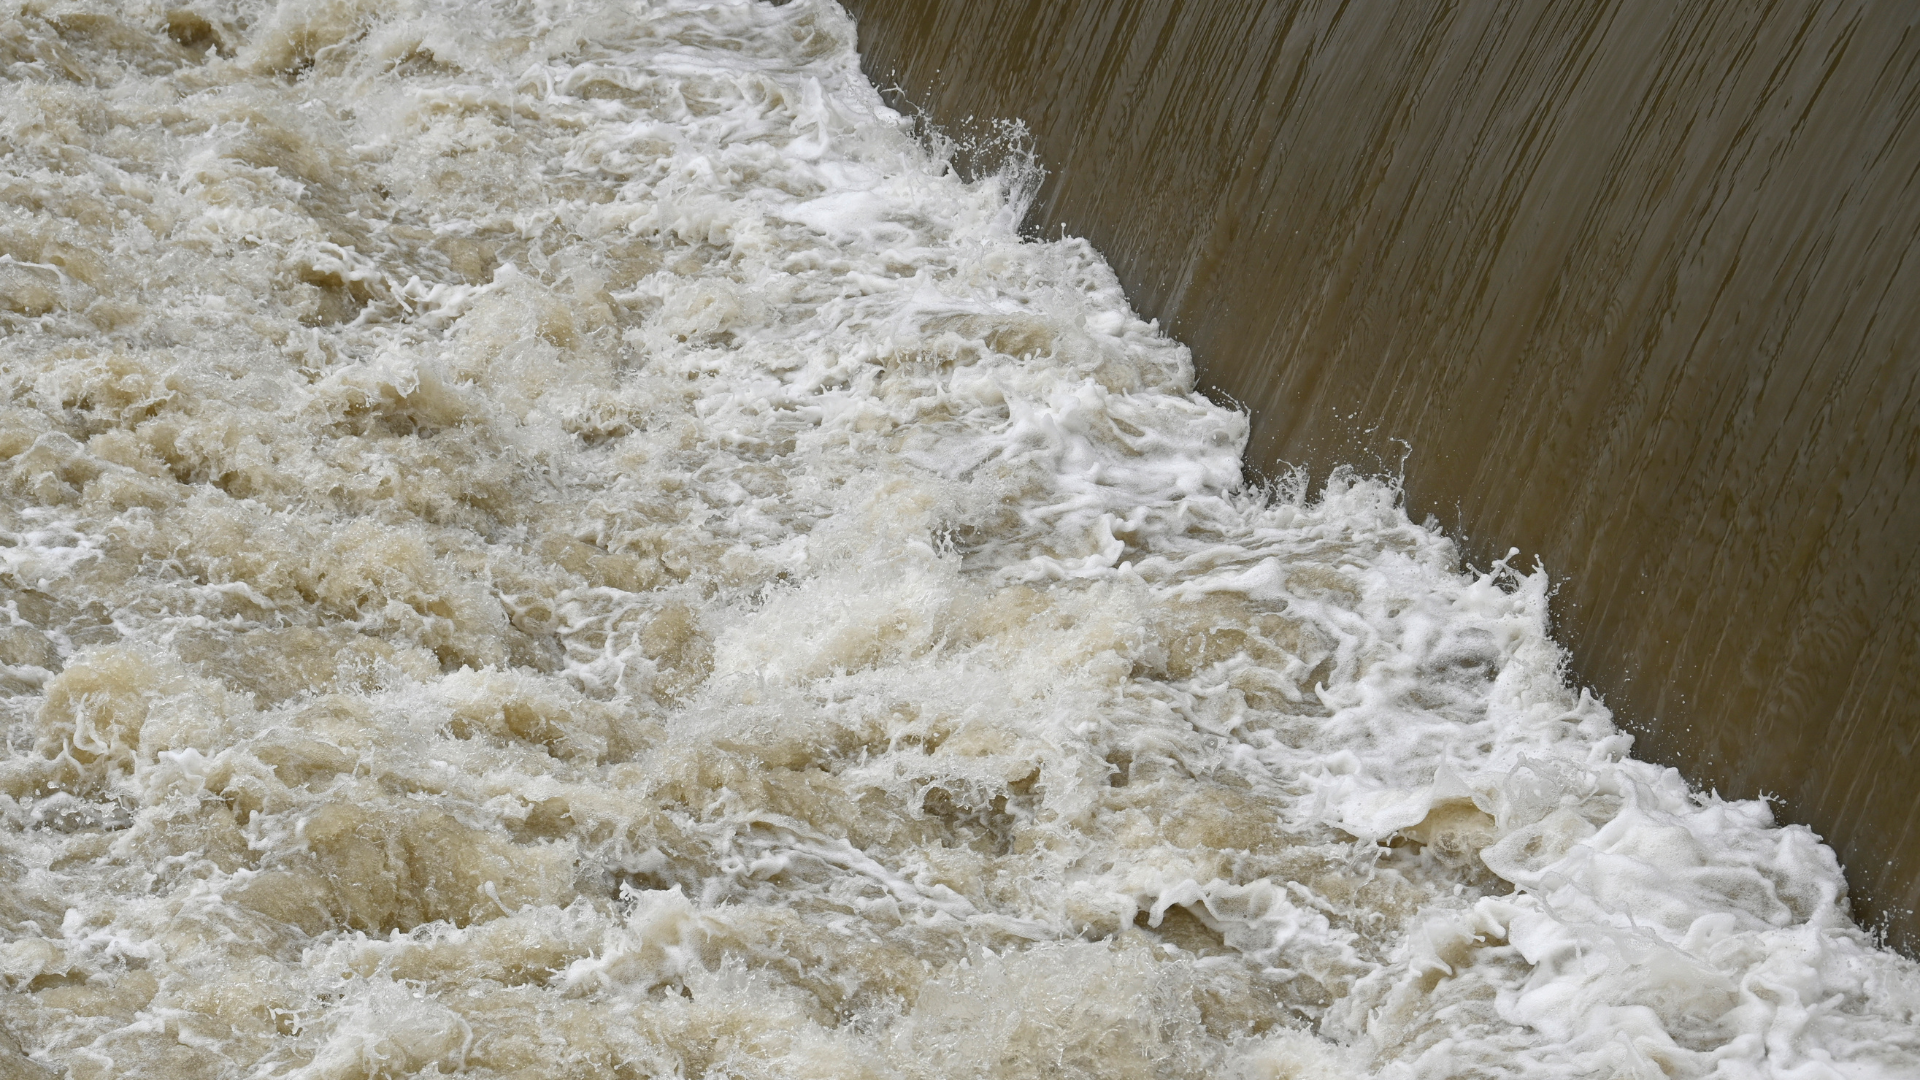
x,y
549,540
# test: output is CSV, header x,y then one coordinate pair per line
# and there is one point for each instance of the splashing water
x,y
559,540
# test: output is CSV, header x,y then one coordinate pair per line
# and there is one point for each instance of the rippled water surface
x,y
1628,284
559,540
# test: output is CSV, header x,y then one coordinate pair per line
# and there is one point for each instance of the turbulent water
x,y
554,540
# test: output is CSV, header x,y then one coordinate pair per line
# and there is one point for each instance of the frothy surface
x,y
552,540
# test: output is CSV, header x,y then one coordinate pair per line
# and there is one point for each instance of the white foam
x,y
550,539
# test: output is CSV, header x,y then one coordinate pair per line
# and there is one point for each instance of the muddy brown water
x,y
1632,286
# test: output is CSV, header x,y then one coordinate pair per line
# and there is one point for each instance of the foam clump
x,y
560,541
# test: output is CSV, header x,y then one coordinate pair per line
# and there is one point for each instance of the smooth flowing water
x,y
1627,284
562,540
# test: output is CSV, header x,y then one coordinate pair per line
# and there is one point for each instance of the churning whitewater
x,y
561,540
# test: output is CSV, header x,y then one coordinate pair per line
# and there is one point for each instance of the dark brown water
x,y
1633,286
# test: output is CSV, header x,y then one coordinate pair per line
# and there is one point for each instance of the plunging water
x,y
559,540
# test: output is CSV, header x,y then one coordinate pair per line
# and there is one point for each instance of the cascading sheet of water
x,y
559,540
